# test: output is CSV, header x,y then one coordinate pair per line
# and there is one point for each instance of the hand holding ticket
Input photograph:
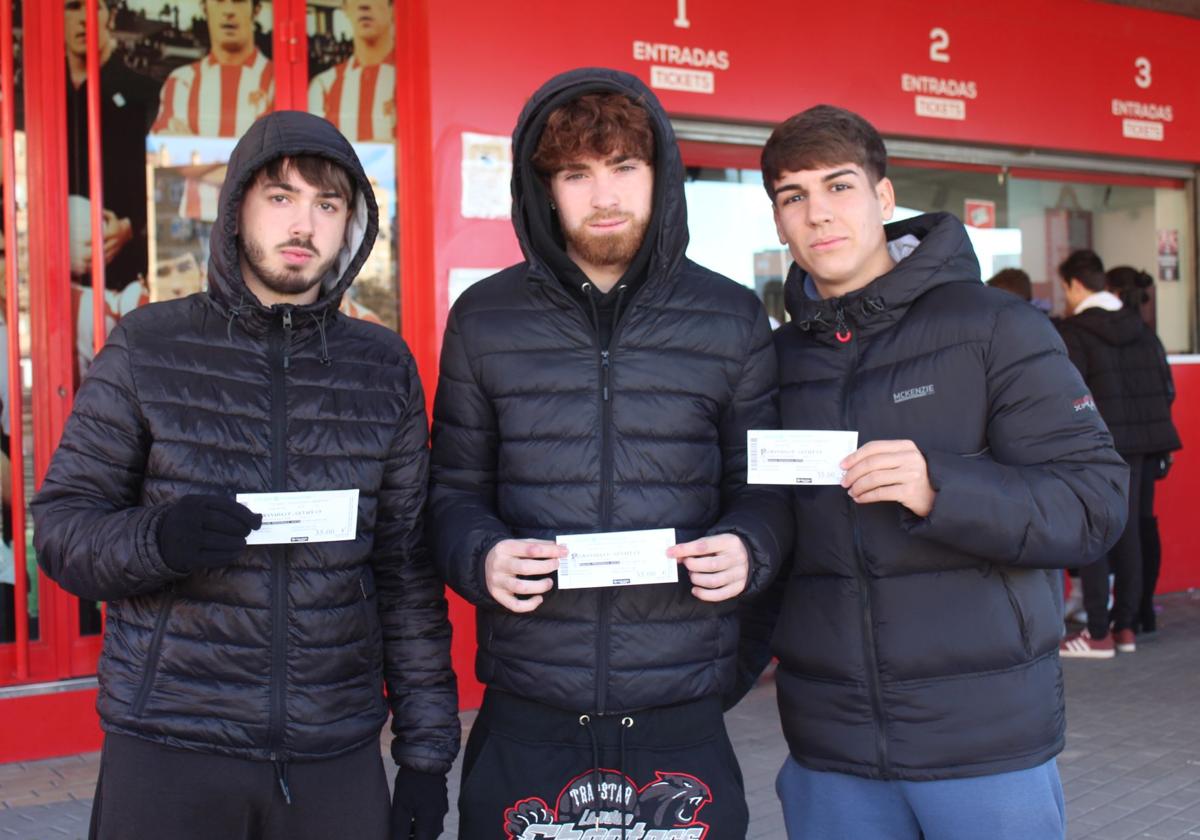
x,y
619,558
304,517
797,456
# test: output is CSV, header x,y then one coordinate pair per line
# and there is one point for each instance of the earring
x,y
553,206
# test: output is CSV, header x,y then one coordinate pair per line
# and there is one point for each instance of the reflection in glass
x,y
215,58
351,60
15,246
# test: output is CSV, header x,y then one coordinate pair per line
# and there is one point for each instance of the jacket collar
x,y
944,255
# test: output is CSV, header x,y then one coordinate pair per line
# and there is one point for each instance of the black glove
x,y
419,804
203,532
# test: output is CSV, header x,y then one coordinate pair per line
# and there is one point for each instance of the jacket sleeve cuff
x,y
975,507
150,559
762,548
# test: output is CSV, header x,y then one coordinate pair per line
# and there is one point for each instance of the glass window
x,y
1029,222
14,246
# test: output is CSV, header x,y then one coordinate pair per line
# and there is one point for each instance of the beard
x,y
288,280
608,249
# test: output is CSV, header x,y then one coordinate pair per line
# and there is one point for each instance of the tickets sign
x,y
941,69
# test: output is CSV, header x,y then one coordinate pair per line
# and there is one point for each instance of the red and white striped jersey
x,y
360,99
216,100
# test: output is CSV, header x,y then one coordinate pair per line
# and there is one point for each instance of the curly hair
x,y
594,125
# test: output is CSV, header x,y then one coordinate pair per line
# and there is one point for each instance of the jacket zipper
x,y
280,349
603,603
864,582
160,627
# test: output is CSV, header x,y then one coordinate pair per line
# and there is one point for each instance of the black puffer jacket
x,y
1125,366
927,648
537,432
283,654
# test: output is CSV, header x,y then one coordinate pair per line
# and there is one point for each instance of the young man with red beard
x,y
605,384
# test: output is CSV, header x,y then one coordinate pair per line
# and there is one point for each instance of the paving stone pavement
x,y
1131,768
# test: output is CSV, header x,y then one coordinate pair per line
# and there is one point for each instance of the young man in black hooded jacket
x,y
242,687
605,384
919,684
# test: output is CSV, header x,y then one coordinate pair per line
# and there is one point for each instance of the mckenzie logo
x,y
1084,403
667,808
912,394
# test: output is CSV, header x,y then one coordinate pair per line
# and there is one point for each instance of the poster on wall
x,y
486,174
352,83
1168,255
352,67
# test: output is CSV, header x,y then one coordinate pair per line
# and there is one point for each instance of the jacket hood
x,y
1124,326
943,254
287,134
667,237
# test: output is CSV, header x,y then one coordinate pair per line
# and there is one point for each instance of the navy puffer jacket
x,y
927,648
284,654
538,432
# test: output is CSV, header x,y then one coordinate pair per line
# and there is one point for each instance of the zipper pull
x,y
287,337
841,328
604,372
362,587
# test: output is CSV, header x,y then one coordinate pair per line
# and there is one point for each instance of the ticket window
x,y
1032,222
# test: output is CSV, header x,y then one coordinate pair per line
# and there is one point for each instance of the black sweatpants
x,y
532,771
1124,562
148,791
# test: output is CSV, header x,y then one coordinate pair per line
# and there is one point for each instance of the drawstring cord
x,y
617,309
236,312
320,322
586,288
626,723
815,322
867,307
281,775
586,722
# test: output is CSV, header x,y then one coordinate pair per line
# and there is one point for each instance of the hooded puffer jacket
x,y
1125,365
282,655
927,648
540,431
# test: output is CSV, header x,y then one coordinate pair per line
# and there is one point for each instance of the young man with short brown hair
x,y
919,684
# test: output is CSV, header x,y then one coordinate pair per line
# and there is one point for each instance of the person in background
x,y
1131,285
1123,365
1014,281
